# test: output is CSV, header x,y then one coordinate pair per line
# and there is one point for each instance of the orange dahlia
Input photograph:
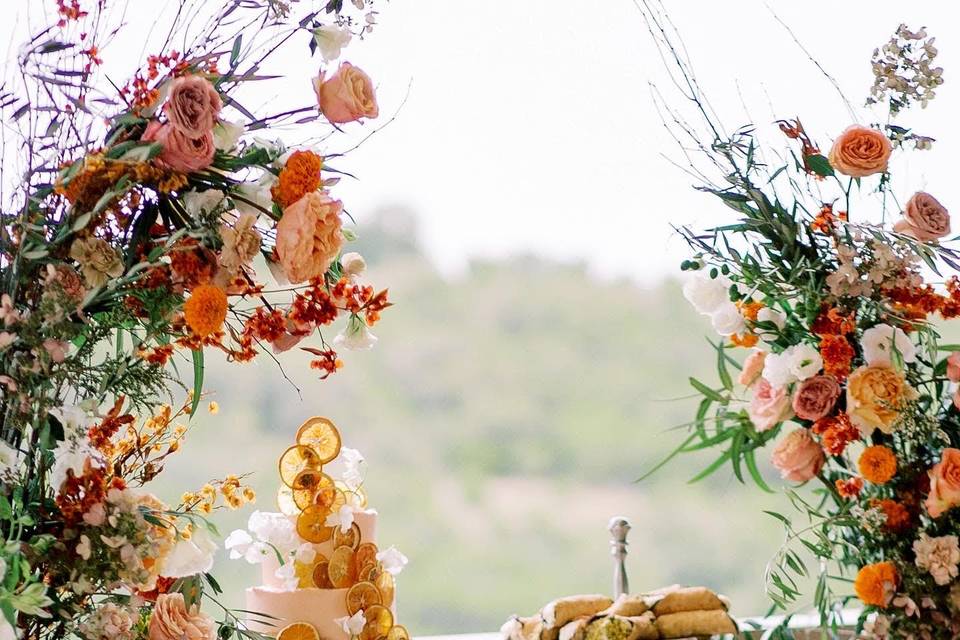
x,y
299,176
876,583
206,310
878,464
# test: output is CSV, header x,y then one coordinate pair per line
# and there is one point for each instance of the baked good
x,y
695,623
563,610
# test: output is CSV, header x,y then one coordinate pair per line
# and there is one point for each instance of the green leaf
x,y
716,464
819,165
673,454
722,371
706,391
751,461
235,52
197,380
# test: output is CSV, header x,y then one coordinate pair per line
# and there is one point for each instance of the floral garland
x,y
130,243
827,279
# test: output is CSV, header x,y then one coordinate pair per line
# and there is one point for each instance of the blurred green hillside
x,y
504,415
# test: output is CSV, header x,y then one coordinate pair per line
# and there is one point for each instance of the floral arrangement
x,y
829,282
130,241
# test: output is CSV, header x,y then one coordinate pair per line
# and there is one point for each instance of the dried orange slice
x,y
299,631
296,459
368,572
287,502
326,492
311,527
362,596
304,573
322,436
302,498
379,622
339,499
386,586
340,569
398,632
366,554
350,538
308,479
321,575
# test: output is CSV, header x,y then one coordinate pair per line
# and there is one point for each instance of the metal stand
x,y
619,527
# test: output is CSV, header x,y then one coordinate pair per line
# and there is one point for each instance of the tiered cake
x,y
323,575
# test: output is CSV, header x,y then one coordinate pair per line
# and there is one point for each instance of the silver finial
x,y
619,527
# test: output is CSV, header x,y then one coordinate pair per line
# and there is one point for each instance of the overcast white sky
x,y
529,125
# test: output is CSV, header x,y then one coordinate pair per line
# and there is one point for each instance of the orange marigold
x,y
836,432
898,516
299,176
206,310
837,354
878,464
876,583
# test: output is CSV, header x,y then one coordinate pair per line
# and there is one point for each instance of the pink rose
x,y
944,484
180,153
752,368
798,456
347,96
924,218
193,106
953,367
171,620
815,397
769,406
308,236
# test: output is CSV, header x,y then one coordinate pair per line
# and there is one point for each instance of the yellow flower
x,y
213,408
875,395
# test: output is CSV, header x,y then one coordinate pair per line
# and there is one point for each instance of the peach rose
x,y
752,368
769,405
875,395
347,96
308,236
924,218
180,153
798,456
171,620
193,106
953,367
860,152
944,484
815,397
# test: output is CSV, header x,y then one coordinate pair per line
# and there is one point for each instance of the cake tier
x,y
319,607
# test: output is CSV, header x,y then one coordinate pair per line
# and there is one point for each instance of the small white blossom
x,y
330,40
352,625
199,202
305,554
392,560
798,362
776,316
727,320
227,134
352,472
356,336
342,518
9,459
879,343
191,556
706,294
287,575
237,543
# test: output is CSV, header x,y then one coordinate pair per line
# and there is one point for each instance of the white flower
x,y
257,552
805,361
355,336
227,134
879,343
352,472
191,556
258,194
199,202
83,547
75,421
275,529
9,459
392,560
727,319
706,294
353,625
305,553
353,264
776,316
237,543
342,518
70,456
288,576
330,40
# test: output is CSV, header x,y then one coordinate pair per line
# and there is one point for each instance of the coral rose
x,y
193,106
944,484
798,456
875,395
924,218
769,406
752,368
181,153
309,237
953,367
876,584
815,397
347,95
860,152
172,620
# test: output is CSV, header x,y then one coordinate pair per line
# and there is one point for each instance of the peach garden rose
x,y
172,620
309,237
875,395
944,484
193,106
924,218
798,457
347,95
860,151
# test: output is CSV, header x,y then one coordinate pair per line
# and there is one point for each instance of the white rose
x,y
257,194
727,320
776,369
768,314
805,361
227,134
190,557
706,294
199,202
330,40
237,543
353,264
879,343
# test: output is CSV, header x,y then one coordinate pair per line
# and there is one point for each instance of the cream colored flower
x,y
241,243
938,556
99,262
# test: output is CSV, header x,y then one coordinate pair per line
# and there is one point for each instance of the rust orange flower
x,y
299,176
878,464
206,310
836,432
898,516
876,583
849,488
837,355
